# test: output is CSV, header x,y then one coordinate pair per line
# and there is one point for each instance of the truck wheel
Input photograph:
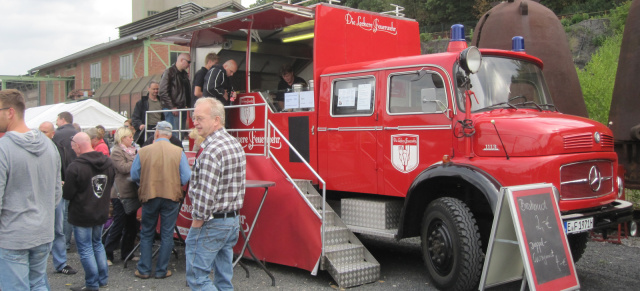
x,y
577,244
451,245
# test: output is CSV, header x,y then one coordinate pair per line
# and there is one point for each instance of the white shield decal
x,y
405,155
99,182
247,114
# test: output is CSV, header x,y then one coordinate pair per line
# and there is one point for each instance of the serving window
x,y
353,96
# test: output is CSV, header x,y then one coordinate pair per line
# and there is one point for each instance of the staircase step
x,y
330,217
390,233
354,274
345,253
315,199
335,235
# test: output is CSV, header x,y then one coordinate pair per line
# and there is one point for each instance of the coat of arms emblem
x,y
405,154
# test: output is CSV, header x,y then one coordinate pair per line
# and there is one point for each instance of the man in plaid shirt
x,y
217,192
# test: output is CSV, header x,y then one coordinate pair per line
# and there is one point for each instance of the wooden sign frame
x,y
528,241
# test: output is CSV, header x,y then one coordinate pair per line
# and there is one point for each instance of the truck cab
x,y
397,144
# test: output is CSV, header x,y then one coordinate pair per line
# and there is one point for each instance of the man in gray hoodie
x,y
30,189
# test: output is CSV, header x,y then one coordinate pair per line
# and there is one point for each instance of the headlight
x,y
470,60
620,187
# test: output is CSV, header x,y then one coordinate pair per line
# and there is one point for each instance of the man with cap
x,y
161,169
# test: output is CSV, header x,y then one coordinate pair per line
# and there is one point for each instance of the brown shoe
x,y
168,274
137,274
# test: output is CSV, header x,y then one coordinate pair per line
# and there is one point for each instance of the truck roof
x,y
439,59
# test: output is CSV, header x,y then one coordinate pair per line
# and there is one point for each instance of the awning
x,y
270,16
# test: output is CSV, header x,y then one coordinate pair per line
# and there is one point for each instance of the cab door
x,y
348,133
417,130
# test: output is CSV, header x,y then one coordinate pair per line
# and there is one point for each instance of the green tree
x,y
598,77
370,5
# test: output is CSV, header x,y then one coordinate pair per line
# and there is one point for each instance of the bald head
x,y
81,143
231,67
183,62
47,128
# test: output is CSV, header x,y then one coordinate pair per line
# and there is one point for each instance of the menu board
x,y
528,217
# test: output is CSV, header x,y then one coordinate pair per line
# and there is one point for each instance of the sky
x,y
36,32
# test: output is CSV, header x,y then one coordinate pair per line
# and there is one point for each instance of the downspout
x,y
145,48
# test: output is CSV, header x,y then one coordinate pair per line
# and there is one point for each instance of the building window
x,y
173,57
353,96
96,76
49,92
126,67
151,12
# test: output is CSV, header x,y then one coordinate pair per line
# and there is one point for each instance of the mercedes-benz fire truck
x,y
388,142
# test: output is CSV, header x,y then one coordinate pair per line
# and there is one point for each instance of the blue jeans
x,y
168,211
175,121
211,246
92,255
24,269
68,228
59,247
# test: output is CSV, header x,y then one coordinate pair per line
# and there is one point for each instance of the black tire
x,y
451,246
577,244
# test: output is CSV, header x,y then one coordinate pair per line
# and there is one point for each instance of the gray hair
x,y
217,109
92,132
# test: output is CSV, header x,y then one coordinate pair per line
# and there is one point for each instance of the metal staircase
x,y
347,260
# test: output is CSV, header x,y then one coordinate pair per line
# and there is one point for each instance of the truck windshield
x,y
503,82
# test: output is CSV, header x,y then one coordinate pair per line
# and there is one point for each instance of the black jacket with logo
x,y
88,188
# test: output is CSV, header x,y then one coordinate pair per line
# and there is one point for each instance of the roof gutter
x,y
85,52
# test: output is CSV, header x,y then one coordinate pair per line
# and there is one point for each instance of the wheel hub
x,y
440,247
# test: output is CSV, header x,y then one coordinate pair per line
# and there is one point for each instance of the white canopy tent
x,y
87,113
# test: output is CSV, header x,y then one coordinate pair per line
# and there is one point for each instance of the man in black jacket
x,y
217,82
175,90
146,103
62,139
88,189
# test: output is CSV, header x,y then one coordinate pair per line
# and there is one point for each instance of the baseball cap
x,y
165,126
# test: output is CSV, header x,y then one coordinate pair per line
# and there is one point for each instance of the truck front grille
x,y
578,141
607,141
585,141
588,179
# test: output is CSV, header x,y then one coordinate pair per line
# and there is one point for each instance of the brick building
x,y
117,73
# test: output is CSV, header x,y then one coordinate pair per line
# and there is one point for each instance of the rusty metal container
x,y
624,114
544,38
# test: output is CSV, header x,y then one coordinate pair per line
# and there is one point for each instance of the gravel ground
x,y
605,266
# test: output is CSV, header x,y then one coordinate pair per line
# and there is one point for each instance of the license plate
x,y
578,225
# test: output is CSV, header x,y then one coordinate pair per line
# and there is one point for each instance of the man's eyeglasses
x,y
5,108
189,62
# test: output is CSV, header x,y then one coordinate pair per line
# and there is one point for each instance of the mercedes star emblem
x,y
595,178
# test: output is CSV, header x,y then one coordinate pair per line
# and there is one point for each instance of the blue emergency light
x,y
457,43
517,44
457,32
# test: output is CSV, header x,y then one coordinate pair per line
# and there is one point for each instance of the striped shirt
x,y
218,176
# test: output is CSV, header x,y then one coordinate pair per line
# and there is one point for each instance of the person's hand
x,y
225,96
141,126
197,223
175,113
233,96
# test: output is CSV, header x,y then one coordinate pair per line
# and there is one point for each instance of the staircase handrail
x,y
304,161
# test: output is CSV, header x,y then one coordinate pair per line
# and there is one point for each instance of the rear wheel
x,y
577,244
451,245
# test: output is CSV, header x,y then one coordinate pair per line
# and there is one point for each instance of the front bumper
x,y
610,215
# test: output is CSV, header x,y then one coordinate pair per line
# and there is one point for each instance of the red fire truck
x,y
387,142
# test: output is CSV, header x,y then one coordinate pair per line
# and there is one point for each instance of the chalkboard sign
x,y
528,222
